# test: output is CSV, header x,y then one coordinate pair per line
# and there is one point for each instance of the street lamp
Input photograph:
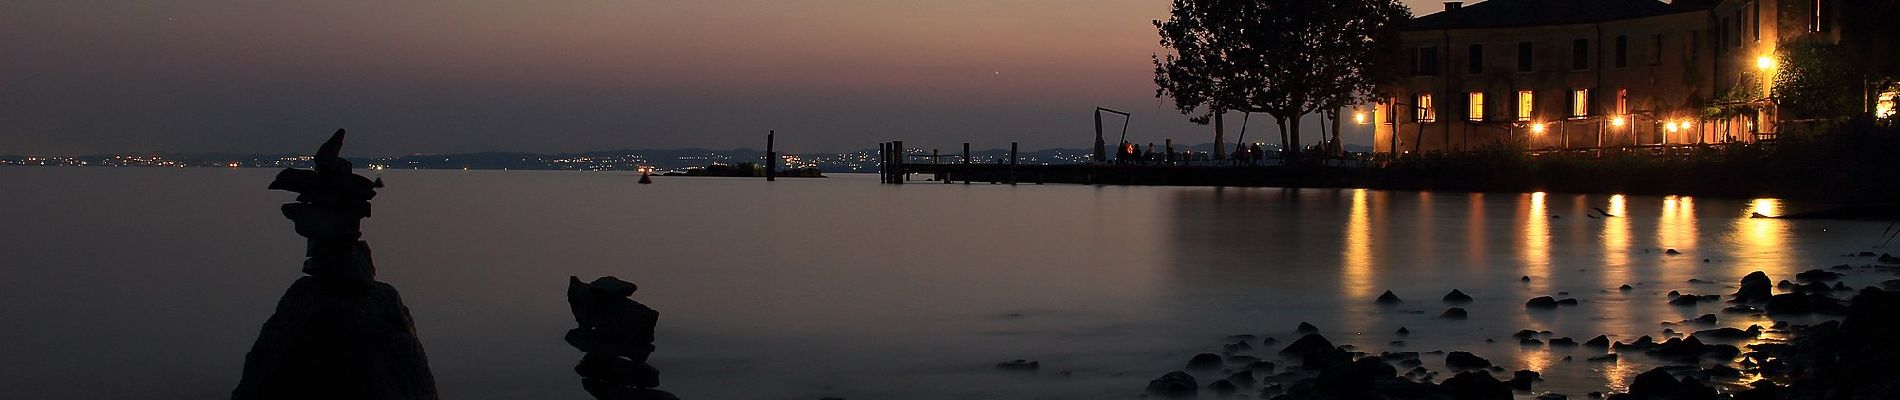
x,y
1537,128
1764,63
1618,121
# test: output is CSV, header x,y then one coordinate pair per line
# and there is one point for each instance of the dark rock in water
x,y
1730,333
1563,341
1567,302
1240,359
1238,346
1674,294
1530,342
1457,297
1017,365
1626,287
329,341
1262,366
1453,313
1841,286
1525,278
1690,350
1524,334
609,391
619,369
1402,331
1310,343
1817,275
1389,298
1552,396
1890,284
1174,385
1522,379
1685,300
1541,302
1784,285
1802,303
1204,362
1599,341
1602,358
1815,288
1459,360
1305,328
1888,259
1741,309
1723,371
1315,352
1222,387
1697,280
1704,319
1476,385
1672,252
1244,379
1658,384
1640,343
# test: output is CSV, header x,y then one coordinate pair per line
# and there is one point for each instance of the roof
x,y
1517,13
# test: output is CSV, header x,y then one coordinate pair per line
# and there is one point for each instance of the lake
x,y
152,283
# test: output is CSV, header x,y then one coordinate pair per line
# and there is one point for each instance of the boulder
x,y
1402,331
1817,275
327,341
1563,341
1457,297
618,370
1475,385
1015,365
1175,384
1459,360
1204,362
1305,328
1388,298
1453,313
1599,341
1522,379
1541,302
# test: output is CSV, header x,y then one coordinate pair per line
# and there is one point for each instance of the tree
x,y
1816,82
1284,58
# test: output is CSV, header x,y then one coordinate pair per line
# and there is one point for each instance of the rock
x,y
1524,334
1841,286
1522,379
1817,275
1525,278
1459,361
1567,302
1784,285
608,391
1541,302
1305,328
1388,298
1552,396
1563,341
619,370
1019,365
1658,384
1175,384
329,341
1691,349
1222,387
1741,309
1243,378
1704,319
1238,346
1261,366
1672,252
1599,341
1626,287
1475,385
1730,333
1240,359
1204,362
1890,284
1457,297
1402,331
1685,300
1602,358
1802,303
1453,313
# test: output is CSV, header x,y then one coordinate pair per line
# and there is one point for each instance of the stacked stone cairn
x,y
617,335
337,333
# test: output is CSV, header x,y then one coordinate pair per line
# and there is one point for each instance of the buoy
x,y
646,179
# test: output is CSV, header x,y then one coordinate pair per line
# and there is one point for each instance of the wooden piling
x,y
1012,163
771,157
901,176
966,163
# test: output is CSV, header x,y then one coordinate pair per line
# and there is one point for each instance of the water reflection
x,y
1761,242
1358,249
1535,239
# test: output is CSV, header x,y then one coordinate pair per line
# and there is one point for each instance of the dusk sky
x,y
436,76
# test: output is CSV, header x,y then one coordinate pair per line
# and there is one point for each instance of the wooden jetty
x,y
896,166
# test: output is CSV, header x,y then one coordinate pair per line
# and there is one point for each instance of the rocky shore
x,y
1851,355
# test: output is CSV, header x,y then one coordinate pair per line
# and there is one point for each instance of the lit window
x,y
1425,112
1622,101
1580,103
1525,103
1886,107
1477,106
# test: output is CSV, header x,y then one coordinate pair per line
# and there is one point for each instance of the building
x,y
1578,74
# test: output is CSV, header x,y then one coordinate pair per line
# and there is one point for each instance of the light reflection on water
x,y
844,287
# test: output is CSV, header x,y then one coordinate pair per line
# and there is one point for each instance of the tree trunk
x,y
1293,140
1339,148
1280,121
1220,135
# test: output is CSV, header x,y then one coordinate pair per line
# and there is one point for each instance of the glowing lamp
x,y
1764,63
1537,128
1617,122
1671,126
1359,118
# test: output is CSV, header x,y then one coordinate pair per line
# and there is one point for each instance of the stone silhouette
x,y
337,333
617,335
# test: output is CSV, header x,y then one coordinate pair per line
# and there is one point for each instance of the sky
x,y
441,76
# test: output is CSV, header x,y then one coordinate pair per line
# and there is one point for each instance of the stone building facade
x,y
1578,74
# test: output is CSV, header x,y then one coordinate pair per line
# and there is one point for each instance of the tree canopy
x,y
1285,58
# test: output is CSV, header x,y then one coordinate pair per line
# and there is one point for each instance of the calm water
x,y
152,283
